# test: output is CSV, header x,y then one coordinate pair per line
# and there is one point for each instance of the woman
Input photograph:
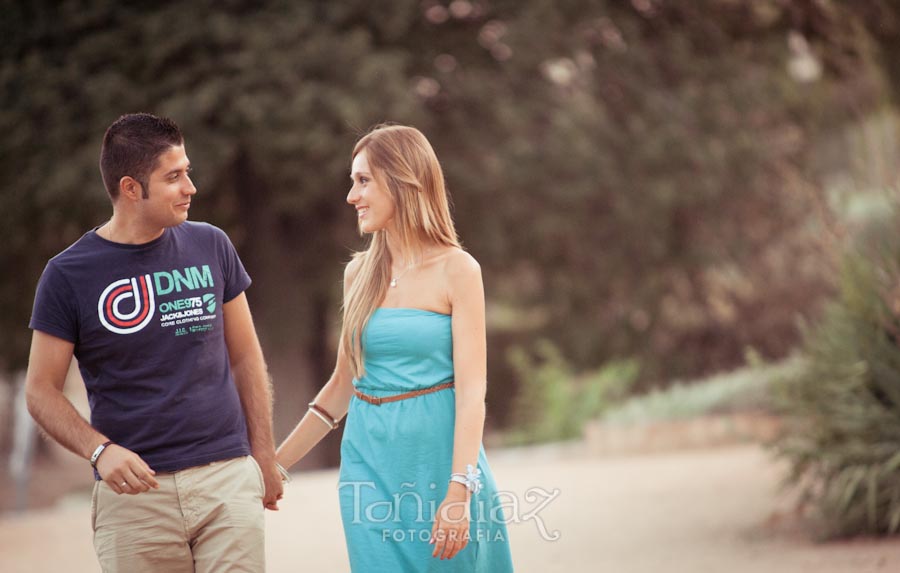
x,y
416,491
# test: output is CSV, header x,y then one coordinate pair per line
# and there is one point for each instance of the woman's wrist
x,y
471,480
285,459
457,490
285,476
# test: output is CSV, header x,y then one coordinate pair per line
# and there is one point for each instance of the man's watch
x,y
96,455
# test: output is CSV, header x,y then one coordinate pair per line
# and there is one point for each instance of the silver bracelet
x,y
285,476
471,479
96,455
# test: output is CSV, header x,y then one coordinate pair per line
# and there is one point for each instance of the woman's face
x,y
375,208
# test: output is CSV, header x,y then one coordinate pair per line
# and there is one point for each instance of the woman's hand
x,y
450,533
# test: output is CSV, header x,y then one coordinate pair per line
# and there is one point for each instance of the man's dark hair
x,y
132,146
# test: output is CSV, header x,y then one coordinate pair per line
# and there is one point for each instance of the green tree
x,y
270,99
631,175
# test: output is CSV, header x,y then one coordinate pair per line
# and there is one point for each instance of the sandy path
x,y
710,510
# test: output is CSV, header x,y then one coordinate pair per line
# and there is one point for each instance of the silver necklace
x,y
398,277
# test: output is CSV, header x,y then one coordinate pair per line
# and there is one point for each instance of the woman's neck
x,y
401,256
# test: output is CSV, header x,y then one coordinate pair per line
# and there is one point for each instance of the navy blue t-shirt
x,y
146,321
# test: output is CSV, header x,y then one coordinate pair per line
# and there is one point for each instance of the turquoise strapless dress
x,y
396,458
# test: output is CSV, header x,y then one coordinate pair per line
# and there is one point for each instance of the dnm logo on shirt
x,y
121,318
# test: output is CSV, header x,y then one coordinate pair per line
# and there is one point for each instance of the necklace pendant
x,y
393,283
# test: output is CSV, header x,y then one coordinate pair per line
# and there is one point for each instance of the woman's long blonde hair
x,y
403,163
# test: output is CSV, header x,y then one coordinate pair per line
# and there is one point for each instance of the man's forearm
x,y
56,415
255,391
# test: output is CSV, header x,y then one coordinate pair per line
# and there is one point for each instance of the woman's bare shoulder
x,y
352,268
458,262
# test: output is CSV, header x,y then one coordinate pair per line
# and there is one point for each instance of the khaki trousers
x,y
205,519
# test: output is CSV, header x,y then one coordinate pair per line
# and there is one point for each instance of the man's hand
x,y
124,471
272,479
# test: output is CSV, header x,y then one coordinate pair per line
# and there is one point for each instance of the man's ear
x,y
130,188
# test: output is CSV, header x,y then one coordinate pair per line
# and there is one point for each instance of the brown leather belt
x,y
379,400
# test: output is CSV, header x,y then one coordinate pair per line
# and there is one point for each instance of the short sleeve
x,y
55,310
236,278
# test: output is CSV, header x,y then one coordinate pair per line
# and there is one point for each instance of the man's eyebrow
x,y
172,172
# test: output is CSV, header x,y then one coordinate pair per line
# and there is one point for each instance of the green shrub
x,y
842,410
554,402
742,390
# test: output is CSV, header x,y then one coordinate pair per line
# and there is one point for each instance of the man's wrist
x,y
98,451
266,454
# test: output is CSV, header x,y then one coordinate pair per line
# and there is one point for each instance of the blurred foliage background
x,y
652,187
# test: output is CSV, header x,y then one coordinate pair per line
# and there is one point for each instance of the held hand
x,y
272,479
124,471
450,533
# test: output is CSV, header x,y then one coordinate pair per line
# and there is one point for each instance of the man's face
x,y
169,190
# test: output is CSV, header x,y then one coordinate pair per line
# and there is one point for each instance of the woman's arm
x,y
450,533
334,398
469,359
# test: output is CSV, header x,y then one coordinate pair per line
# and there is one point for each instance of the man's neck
x,y
119,230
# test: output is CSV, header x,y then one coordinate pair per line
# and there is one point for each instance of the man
x,y
153,308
